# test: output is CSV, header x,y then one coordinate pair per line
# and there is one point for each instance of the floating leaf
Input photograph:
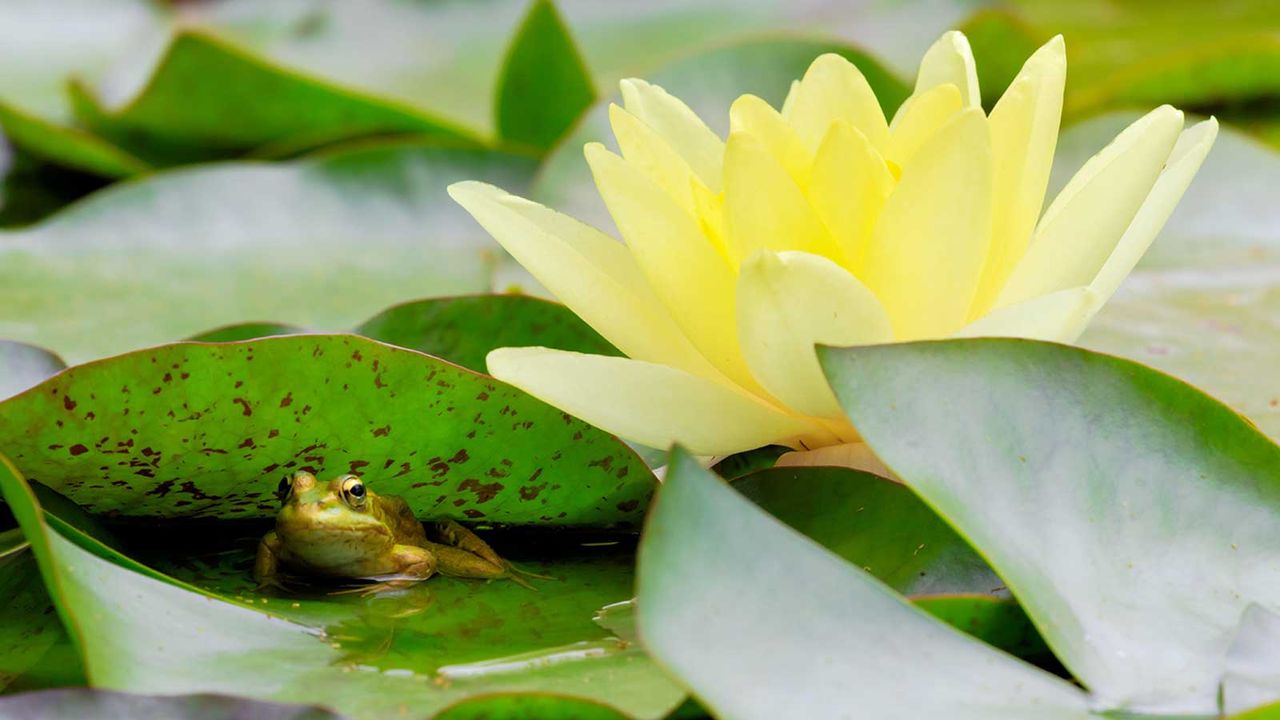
x,y
1132,516
86,703
245,331
66,146
543,86
210,430
22,366
464,329
322,243
761,622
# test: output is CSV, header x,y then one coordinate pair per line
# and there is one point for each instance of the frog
x,y
342,529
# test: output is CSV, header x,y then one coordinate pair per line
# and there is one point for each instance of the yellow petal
x,y
709,209
683,130
790,99
929,246
1057,317
1024,132
1192,147
789,302
764,209
648,403
950,61
856,455
833,89
848,187
1084,224
587,270
749,114
645,149
919,119
682,266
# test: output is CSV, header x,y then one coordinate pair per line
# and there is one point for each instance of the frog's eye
x,y
353,491
284,489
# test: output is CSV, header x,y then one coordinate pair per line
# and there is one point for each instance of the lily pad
x,y
245,331
159,641
543,86
761,622
708,82
322,243
22,366
29,628
209,430
209,99
464,329
73,703
1132,516
67,146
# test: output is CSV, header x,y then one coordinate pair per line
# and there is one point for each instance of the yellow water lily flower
x,y
823,222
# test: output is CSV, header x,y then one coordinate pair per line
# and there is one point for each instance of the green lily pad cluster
x,y
227,254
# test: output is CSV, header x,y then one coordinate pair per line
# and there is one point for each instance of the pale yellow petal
x,y
587,270
856,455
789,302
749,114
645,149
1084,224
833,89
848,187
683,130
680,263
950,61
919,119
764,209
651,404
1190,151
1057,317
790,100
929,246
1024,133
709,209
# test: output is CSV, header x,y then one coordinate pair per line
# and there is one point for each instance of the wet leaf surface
x,y
201,430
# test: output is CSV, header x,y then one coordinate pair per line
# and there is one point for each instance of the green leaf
x,y
209,99
209,430
143,634
322,243
22,366
245,331
29,629
760,622
708,82
463,330
543,86
1132,516
66,146
75,703
1203,302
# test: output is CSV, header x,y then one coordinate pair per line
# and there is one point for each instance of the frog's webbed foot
x,y
376,588
461,553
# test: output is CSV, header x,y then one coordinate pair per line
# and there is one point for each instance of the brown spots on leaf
x,y
459,457
459,502
168,378
531,492
270,468
473,513
567,418
162,489
287,400
605,463
627,506
68,404
196,493
405,469
482,396
377,381
246,410
484,492
357,466
247,443
78,449
357,356
382,431
272,433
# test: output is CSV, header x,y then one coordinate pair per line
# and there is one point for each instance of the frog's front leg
x,y
463,554
405,565
266,566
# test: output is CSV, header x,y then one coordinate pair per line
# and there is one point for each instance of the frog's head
x,y
330,523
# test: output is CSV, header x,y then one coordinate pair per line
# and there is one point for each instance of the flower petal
x,y
1189,152
683,130
1085,222
645,149
1024,133
764,208
1057,317
929,246
648,403
848,187
789,302
950,61
749,114
919,119
856,455
681,264
587,270
834,89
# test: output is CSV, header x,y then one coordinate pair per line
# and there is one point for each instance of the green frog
x,y
342,529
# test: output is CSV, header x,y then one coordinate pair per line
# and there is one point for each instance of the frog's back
x,y
398,516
